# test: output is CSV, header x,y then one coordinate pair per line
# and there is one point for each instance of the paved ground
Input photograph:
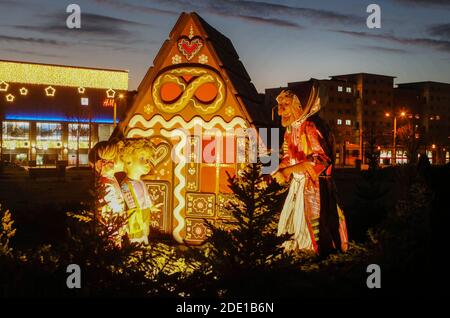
x,y
19,190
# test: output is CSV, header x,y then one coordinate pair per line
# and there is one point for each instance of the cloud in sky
x,y
383,49
271,21
260,12
31,40
266,8
440,45
33,53
136,7
443,3
441,31
10,3
91,24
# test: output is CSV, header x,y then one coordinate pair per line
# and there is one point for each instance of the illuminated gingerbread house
x,y
197,82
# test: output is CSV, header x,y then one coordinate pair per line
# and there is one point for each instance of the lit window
x,y
84,101
348,89
348,122
78,136
104,131
213,151
48,132
339,121
339,88
15,130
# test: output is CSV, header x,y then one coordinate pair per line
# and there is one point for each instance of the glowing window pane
x,y
208,179
223,178
78,137
48,132
104,131
15,130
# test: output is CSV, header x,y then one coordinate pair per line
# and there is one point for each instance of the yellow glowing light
x,y
121,96
202,76
81,90
402,114
23,91
28,73
110,93
387,115
10,98
169,131
433,146
50,91
4,86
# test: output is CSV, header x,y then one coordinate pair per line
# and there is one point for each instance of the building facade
x,y
429,102
339,113
376,99
54,113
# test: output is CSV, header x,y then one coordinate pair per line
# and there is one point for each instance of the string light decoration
x,y
50,91
68,76
81,90
110,93
23,91
4,86
10,98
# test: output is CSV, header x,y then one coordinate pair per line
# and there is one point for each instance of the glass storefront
x,y
15,142
15,134
401,157
79,136
48,132
16,130
48,136
385,157
104,131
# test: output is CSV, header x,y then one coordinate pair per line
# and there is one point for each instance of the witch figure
x,y
310,213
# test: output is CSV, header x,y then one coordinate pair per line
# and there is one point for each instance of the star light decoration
x,y
50,91
4,86
229,111
10,98
203,59
176,59
81,90
148,109
23,91
110,93
191,32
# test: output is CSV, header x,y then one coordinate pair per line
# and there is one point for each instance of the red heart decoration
x,y
189,47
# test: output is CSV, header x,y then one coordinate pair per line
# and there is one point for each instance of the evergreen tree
x,y
114,266
7,232
243,256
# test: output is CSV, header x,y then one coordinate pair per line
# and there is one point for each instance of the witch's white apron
x,y
292,218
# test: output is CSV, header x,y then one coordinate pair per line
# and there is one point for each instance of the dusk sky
x,y
278,41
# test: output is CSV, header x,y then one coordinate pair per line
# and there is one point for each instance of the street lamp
x,y
121,96
394,141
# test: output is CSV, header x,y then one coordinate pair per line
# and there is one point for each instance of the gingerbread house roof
x,y
230,64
